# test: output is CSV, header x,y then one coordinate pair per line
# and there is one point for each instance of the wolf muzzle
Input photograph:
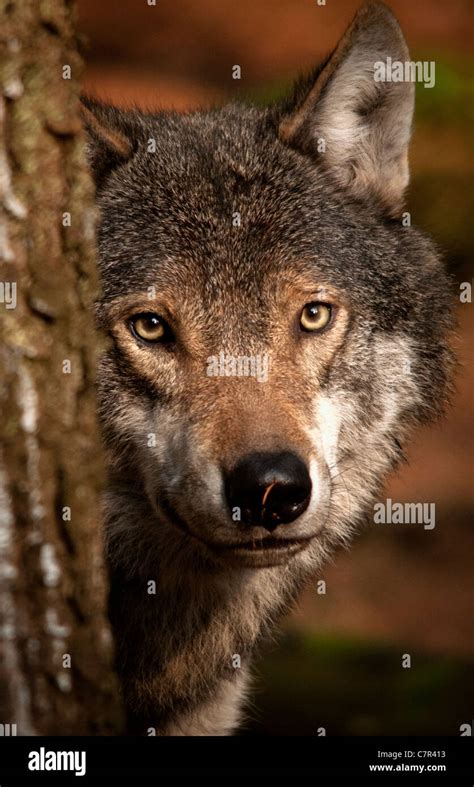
x,y
270,489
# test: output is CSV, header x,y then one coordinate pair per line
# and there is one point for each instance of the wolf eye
x,y
315,316
149,327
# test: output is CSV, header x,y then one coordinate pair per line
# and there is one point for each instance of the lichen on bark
x,y
52,580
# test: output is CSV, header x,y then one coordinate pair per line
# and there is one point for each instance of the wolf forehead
x,y
221,199
219,185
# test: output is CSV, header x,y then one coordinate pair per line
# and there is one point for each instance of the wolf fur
x,y
316,222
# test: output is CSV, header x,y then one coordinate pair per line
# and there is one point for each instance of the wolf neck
x,y
185,634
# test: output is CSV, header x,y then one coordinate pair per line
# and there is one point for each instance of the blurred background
x,y
400,589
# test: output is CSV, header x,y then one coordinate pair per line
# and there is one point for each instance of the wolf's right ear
x,y
357,126
109,137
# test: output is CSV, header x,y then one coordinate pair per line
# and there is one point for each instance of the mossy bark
x,y
56,674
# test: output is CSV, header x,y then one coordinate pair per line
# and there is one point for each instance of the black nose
x,y
269,489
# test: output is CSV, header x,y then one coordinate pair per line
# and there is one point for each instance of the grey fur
x,y
345,400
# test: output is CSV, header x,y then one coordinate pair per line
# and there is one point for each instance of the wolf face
x,y
243,239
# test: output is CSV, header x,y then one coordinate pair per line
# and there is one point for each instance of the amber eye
x,y
315,316
149,326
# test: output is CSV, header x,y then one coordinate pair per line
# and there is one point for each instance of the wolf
x,y
251,232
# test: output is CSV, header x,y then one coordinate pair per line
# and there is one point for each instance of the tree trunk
x,y
56,675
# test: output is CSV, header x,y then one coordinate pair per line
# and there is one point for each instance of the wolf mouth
x,y
256,545
266,544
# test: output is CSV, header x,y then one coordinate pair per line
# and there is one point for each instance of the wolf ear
x,y
109,137
357,126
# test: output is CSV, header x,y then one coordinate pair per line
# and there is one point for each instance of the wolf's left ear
x,y
357,126
110,137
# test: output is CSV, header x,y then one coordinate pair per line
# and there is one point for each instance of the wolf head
x,y
276,327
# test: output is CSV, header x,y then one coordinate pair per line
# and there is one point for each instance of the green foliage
x,y
355,687
450,101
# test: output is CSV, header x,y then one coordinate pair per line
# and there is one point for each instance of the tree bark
x,y
56,676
